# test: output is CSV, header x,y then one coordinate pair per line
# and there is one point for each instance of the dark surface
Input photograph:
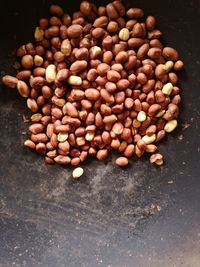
x,y
142,216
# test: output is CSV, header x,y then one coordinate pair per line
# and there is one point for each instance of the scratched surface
x,y
141,216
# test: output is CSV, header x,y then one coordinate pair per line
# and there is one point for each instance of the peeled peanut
x,y
149,139
77,173
170,126
75,80
124,34
50,73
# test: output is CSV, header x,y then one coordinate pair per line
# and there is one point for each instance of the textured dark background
x,y
142,216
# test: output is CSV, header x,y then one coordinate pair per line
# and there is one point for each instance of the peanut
x,y
170,126
124,34
121,161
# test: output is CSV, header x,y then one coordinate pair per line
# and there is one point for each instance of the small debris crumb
x,y
25,119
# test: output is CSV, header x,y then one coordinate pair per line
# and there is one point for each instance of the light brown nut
x,y
102,69
92,94
66,47
63,160
85,8
92,75
78,172
122,146
74,80
39,138
62,128
170,126
52,154
141,116
50,130
50,73
36,128
107,43
49,160
149,139
107,57
106,137
77,94
141,145
56,10
98,32
167,89
112,27
157,159
83,156
82,53
110,119
23,75
179,65
90,119
98,120
121,161
129,151
142,51
102,154
56,112
154,109
113,76
62,75
151,148
121,57
29,144
160,135
115,143
10,81
64,146
107,97
151,130
78,66
135,42
100,22
150,23
135,13
40,148
155,34
95,52
70,110
36,117
37,82
27,61
124,34
118,128
120,8
39,34
86,104
74,31
38,60
173,78
138,30
160,71
148,86
32,105
129,102
111,11
105,110
142,78
154,53
170,53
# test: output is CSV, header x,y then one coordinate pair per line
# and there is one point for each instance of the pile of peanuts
x,y
95,81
